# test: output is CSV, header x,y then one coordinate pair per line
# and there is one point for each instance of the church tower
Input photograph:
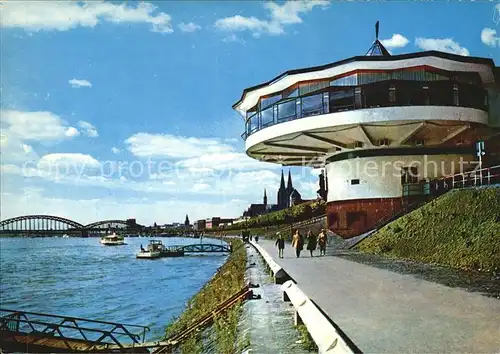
x,y
265,199
186,222
282,194
289,186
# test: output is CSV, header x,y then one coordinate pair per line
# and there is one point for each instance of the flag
x,y
376,30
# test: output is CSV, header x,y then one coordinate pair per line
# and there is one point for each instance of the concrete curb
x,y
279,274
322,331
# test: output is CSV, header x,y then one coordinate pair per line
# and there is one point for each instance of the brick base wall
x,y
349,218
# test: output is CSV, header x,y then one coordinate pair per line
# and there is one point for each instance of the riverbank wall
x,y
326,335
221,336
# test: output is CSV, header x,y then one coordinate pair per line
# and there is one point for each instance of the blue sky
x,y
93,91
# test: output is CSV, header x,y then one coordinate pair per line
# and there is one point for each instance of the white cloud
x,y
441,44
229,161
233,38
115,150
315,171
231,140
13,150
36,126
9,169
489,37
253,24
27,148
396,41
307,189
189,27
69,158
67,163
71,132
279,16
289,12
64,15
88,129
159,145
198,187
76,83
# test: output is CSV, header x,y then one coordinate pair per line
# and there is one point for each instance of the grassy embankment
x,y
296,213
271,222
460,229
227,281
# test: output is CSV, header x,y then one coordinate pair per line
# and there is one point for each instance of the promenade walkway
x,y
386,312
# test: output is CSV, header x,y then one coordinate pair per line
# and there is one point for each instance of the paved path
x,y
384,311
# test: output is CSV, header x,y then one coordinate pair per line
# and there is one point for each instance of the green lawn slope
x,y
460,229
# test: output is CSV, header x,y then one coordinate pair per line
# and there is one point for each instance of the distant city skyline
x,y
123,110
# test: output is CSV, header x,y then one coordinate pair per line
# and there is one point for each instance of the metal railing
x,y
367,96
95,331
167,345
199,248
296,225
476,178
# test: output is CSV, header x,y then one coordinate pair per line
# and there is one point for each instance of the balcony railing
x,y
391,93
482,177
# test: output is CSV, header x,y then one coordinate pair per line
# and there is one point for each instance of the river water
x,y
80,277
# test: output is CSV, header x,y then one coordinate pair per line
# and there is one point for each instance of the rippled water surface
x,y
79,277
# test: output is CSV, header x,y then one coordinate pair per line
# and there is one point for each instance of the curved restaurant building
x,y
377,124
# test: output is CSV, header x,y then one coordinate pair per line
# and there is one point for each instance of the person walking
x,y
280,242
297,243
311,242
322,241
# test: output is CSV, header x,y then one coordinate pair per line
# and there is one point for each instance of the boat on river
x,y
112,240
153,250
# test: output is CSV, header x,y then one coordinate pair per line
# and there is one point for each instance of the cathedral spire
x,y
289,185
265,198
282,184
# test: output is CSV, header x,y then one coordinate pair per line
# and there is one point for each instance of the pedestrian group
x,y
311,240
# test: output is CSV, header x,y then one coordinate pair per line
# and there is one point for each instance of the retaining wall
x,y
279,274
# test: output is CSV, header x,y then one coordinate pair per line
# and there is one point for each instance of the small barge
x,y
153,250
157,249
112,240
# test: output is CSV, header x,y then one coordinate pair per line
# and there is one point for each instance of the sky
x,y
114,110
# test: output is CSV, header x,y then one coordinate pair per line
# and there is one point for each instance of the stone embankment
x,y
221,336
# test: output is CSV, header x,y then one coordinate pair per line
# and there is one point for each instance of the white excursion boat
x,y
154,250
112,240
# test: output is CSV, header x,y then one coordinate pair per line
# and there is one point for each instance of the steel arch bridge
x,y
39,222
204,248
104,224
